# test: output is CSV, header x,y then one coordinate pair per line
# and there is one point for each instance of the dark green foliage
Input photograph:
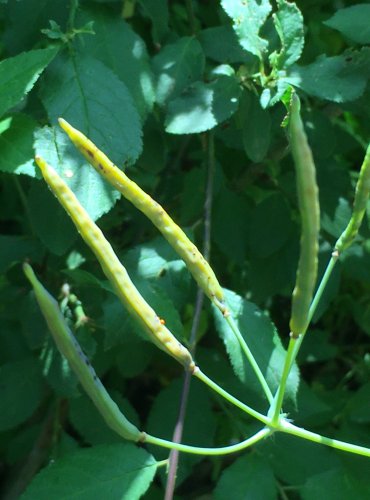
x,y
153,83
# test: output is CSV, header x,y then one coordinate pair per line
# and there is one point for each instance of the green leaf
x,y
358,405
19,74
176,66
248,477
198,430
117,46
353,22
231,237
94,194
220,43
288,23
16,153
262,339
270,226
21,391
25,19
93,99
86,419
203,106
256,123
339,78
16,248
49,220
333,485
116,471
157,11
294,459
157,262
335,223
248,18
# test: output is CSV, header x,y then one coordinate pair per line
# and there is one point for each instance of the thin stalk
x,y
191,17
289,428
179,427
196,450
234,327
278,401
215,387
295,343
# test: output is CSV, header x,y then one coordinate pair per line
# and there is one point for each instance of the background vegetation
x,y
192,109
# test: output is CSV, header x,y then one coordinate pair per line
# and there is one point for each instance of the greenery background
x,y
155,84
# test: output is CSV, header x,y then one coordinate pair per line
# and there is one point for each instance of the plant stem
x,y
234,327
179,427
289,428
275,408
247,409
295,343
191,17
196,450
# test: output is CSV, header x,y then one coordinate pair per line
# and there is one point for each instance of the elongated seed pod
x,y
70,348
359,206
196,263
114,270
308,199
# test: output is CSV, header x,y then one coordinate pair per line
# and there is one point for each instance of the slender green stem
x,y
279,397
289,428
323,283
197,450
162,463
255,414
295,343
250,357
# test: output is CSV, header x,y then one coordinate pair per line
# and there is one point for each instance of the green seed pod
x,y
196,263
310,216
114,270
70,348
359,206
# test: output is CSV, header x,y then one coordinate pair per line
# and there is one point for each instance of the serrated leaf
x,y
248,477
93,99
339,78
176,66
21,391
288,22
94,194
248,18
353,22
117,46
116,471
256,127
18,75
262,339
203,106
16,153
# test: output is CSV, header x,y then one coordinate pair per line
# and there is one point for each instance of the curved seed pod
x,y
114,270
359,206
70,348
196,263
310,216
